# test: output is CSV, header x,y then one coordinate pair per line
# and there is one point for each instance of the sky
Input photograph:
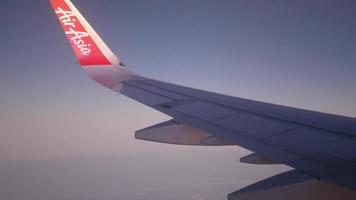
x,y
295,53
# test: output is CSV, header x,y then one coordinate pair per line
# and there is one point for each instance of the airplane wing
x,y
320,147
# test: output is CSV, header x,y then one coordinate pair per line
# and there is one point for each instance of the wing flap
x,y
254,158
283,179
172,132
293,185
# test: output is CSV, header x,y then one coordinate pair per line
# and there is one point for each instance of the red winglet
x,y
82,41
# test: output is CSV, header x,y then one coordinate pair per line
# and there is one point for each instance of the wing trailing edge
x,y
172,132
254,158
293,185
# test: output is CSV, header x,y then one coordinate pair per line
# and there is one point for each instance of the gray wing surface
x,y
320,145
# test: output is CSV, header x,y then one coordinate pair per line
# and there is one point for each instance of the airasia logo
x,y
68,19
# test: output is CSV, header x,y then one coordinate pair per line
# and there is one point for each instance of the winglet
x,y
89,48
93,54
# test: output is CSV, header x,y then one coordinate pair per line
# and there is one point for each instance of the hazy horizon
x,y
187,175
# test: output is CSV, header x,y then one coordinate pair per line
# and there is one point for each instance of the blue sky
x,y
295,53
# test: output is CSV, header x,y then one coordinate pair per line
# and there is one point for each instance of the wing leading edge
x,y
318,145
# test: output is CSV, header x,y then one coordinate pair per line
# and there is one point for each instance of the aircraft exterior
x,y
320,147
